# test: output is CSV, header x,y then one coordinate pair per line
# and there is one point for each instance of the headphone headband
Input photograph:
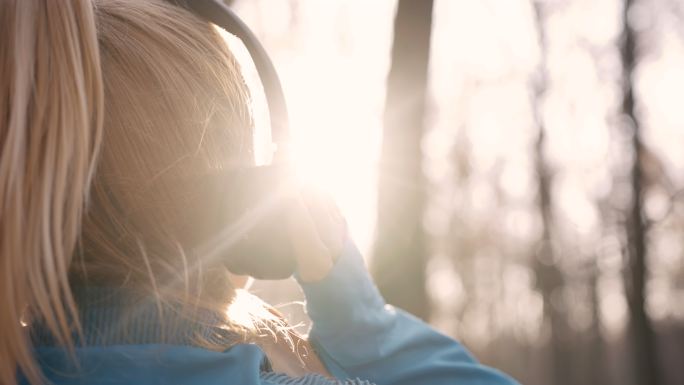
x,y
215,11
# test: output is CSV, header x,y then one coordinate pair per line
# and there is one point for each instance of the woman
x,y
110,110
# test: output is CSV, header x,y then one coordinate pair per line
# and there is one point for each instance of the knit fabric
x,y
360,340
115,316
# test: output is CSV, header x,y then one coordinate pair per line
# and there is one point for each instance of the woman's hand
x,y
317,231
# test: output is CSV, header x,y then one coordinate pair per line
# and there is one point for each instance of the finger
x,y
313,257
329,222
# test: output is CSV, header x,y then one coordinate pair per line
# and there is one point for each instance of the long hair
x,y
108,108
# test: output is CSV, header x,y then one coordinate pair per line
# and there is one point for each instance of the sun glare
x,y
341,162
335,97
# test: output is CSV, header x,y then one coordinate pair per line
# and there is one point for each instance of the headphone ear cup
x,y
259,200
264,252
262,248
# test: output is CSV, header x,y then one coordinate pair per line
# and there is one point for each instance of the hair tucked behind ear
x,y
51,98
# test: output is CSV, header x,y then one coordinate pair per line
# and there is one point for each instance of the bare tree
x,y
640,327
400,251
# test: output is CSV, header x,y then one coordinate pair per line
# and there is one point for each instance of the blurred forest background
x,y
512,169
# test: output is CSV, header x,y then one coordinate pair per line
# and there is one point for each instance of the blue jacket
x,y
358,337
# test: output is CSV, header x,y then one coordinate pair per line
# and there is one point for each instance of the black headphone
x,y
215,11
255,239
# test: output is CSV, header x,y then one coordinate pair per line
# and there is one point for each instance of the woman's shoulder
x,y
152,364
168,364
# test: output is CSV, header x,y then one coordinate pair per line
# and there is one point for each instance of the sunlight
x,y
342,163
335,94
322,159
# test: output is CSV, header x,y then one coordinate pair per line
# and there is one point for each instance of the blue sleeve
x,y
358,336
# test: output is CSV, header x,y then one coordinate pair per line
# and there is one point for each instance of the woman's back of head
x,y
108,109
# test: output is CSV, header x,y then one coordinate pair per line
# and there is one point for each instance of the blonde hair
x,y
109,109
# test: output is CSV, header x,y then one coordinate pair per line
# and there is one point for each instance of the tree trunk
x,y
640,328
596,365
549,277
400,252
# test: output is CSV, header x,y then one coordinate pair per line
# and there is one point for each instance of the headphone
x,y
254,240
216,12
